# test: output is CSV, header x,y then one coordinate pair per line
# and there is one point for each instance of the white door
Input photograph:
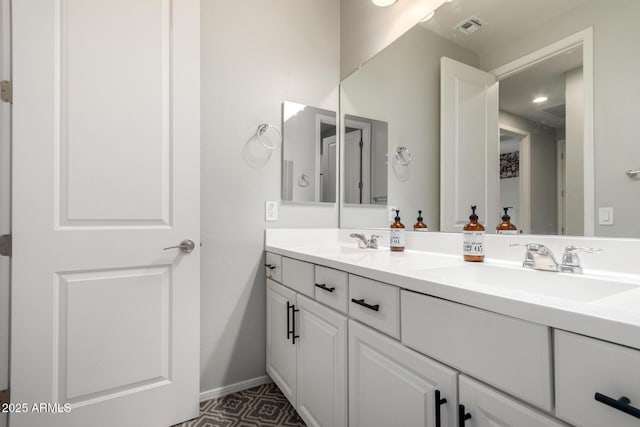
x,y
281,348
328,172
5,198
105,175
469,145
322,365
391,385
489,408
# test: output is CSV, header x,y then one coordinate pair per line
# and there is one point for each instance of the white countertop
x,y
605,306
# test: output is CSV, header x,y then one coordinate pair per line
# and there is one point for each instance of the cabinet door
x,y
322,365
391,385
281,351
490,408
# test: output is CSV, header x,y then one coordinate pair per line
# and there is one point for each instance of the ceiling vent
x,y
470,25
557,110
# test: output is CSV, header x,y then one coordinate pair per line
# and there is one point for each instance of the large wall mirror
x,y
309,154
534,107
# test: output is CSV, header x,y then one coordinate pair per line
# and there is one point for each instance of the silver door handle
x,y
185,246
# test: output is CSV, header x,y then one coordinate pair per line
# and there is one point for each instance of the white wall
x,y
255,55
367,29
616,87
406,78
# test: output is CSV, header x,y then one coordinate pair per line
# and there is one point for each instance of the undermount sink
x,y
573,287
333,251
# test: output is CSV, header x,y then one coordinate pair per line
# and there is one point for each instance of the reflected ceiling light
x,y
383,3
429,16
539,99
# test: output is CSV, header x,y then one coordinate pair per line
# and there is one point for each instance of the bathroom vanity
x,y
365,337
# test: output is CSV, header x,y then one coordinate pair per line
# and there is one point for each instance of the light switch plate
x,y
271,210
605,216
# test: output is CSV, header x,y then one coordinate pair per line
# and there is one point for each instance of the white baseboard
x,y
233,388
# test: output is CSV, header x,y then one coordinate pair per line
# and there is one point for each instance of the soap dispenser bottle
x,y
396,242
420,225
506,227
473,239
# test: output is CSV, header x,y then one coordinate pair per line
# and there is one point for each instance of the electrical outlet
x,y
271,210
392,212
605,216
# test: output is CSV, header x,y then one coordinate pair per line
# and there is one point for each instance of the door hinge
x,y
6,91
5,245
5,396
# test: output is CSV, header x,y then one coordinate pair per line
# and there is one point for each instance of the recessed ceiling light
x,y
540,99
383,3
429,16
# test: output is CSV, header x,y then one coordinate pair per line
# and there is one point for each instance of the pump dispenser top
x,y
420,225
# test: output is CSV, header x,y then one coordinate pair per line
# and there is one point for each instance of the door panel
x,y
469,144
106,175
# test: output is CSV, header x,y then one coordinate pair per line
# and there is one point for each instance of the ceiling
x,y
507,20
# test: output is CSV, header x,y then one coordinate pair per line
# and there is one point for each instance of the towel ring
x,y
400,157
262,129
303,180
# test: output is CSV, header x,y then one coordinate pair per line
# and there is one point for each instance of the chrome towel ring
x,y
403,155
263,129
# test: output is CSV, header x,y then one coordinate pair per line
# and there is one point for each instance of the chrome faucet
x,y
540,257
364,243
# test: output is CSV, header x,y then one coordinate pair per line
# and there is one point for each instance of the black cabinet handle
x,y
361,302
294,310
289,331
623,404
439,402
323,286
270,266
462,415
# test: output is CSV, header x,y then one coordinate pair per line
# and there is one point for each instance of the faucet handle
x,y
570,257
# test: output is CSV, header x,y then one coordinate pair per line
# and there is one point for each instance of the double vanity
x,y
369,337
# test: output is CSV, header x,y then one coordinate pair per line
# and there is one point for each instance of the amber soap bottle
x,y
506,227
396,241
473,239
420,225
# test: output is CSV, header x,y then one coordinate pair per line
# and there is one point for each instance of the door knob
x,y
185,246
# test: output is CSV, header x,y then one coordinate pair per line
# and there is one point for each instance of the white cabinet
x,y
322,364
391,385
586,367
482,406
375,304
281,350
307,355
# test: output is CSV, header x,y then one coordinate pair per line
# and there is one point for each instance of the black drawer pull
x,y
462,416
323,286
439,402
361,302
270,266
623,404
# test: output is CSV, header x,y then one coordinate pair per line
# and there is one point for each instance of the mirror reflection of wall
x,y
309,154
561,176
365,160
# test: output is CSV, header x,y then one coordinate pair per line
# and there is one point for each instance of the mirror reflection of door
x,y
365,161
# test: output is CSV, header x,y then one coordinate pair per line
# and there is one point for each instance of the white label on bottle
x,y
397,237
508,232
473,243
421,229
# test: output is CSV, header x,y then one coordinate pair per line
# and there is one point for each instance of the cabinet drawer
x,y
586,366
490,408
298,275
331,288
508,353
273,266
383,311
